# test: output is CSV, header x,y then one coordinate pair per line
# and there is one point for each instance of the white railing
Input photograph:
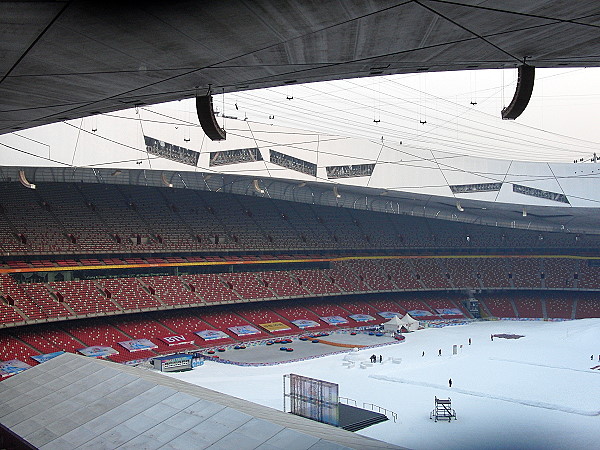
x,y
347,401
382,410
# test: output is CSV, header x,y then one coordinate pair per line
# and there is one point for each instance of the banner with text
x,y
176,340
389,314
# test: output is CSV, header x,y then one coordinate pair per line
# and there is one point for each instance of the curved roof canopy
x,y
62,60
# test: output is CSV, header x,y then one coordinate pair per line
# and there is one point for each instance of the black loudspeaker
x,y
522,93
206,116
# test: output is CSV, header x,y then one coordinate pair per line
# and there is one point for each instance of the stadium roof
x,y
68,59
73,401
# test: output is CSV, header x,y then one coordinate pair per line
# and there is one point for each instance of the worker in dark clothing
x,y
469,341
440,352
450,382
380,358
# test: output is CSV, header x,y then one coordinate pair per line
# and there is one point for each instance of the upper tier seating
x,y
316,281
172,290
462,274
40,295
247,285
211,288
492,272
589,275
371,273
128,293
430,273
282,284
559,273
83,297
83,218
401,273
526,273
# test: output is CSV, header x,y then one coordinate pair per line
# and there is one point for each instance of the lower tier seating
x,y
72,335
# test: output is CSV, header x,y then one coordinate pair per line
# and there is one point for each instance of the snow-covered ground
x,y
530,393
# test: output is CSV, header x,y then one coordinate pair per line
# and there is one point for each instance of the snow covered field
x,y
535,392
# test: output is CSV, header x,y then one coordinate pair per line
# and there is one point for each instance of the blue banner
x,y
46,357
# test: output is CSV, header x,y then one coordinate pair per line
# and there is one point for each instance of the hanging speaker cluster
x,y
206,116
522,93
23,180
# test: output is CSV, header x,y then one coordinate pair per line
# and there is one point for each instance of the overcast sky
x,y
458,112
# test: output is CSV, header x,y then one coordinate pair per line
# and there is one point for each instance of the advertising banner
x,y
8,368
362,317
419,313
334,320
275,326
176,340
244,330
211,335
390,315
98,351
449,311
135,345
46,357
305,323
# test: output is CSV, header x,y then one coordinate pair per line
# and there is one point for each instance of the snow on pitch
x,y
535,392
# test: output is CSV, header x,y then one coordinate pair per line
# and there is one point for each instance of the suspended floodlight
x,y
336,192
23,180
257,187
524,212
459,207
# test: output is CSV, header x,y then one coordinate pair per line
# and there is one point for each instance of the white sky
x,y
559,125
530,393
